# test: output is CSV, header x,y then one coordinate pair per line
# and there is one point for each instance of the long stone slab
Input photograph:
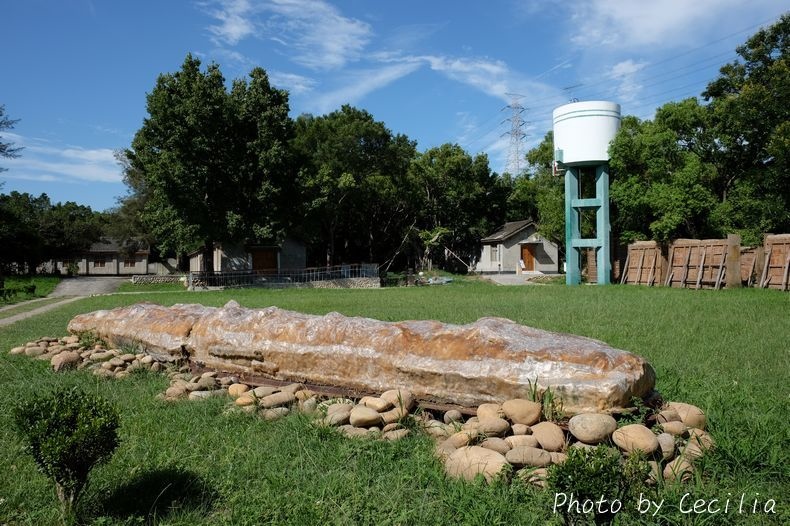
x,y
490,360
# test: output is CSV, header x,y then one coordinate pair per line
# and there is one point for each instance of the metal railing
x,y
283,277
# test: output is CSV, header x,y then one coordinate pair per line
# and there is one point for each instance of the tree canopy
x,y
33,230
352,180
213,163
457,201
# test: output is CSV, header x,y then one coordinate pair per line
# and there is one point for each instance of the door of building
x,y
264,259
528,257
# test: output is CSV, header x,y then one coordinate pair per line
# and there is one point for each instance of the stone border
x,y
512,438
163,278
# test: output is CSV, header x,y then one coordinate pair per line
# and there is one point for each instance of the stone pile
x,y
70,352
513,437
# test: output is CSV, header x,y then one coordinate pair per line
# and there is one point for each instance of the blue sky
x,y
76,72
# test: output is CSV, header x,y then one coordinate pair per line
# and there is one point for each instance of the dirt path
x,y
70,289
35,312
16,305
87,286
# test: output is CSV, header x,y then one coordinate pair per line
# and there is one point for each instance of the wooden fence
x,y
709,263
644,265
776,266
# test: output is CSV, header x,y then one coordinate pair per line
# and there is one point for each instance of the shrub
x,y
68,433
592,474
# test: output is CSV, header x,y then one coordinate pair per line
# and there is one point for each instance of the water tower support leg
x,y
602,227
573,275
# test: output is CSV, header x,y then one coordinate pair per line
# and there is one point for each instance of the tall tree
x,y
125,223
661,186
707,170
750,107
265,180
7,149
353,179
459,200
211,161
549,192
541,195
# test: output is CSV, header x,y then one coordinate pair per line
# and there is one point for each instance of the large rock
x,y
635,437
362,416
486,361
161,331
468,462
521,411
690,415
549,435
64,360
592,428
528,456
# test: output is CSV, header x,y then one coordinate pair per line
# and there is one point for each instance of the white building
x,y
516,247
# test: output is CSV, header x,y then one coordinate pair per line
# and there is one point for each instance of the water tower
x,y
582,133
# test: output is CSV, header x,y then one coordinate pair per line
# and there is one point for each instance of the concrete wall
x,y
293,254
547,255
486,264
160,268
114,265
511,252
137,264
229,258
196,262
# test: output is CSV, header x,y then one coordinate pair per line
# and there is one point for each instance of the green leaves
x,y
67,433
212,164
458,195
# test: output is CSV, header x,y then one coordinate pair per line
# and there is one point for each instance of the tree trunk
x,y
68,501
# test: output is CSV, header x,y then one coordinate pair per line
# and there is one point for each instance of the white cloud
x,y
360,83
296,84
23,176
235,59
625,74
234,22
39,162
321,36
488,76
314,32
492,77
667,23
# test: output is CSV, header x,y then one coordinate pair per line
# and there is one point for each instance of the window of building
x,y
494,253
129,262
98,261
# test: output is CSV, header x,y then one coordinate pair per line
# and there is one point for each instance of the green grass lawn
x,y
189,463
128,286
44,285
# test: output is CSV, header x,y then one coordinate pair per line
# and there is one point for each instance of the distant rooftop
x,y
508,230
106,245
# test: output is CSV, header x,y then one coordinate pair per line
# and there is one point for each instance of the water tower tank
x,y
583,131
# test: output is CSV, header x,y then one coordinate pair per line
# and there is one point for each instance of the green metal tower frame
x,y
574,242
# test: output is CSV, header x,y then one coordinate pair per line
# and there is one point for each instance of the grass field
x,y
128,286
189,463
44,285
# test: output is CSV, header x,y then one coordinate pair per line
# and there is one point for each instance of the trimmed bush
x,y
68,433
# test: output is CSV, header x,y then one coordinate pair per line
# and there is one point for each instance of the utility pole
x,y
516,133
